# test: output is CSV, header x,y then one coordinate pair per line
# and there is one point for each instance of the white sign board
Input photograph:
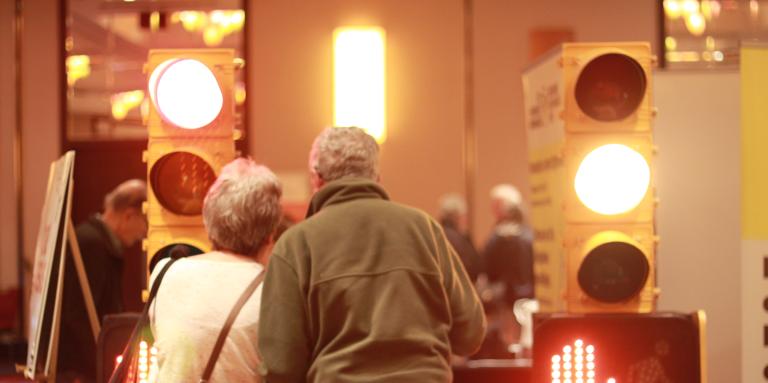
x,y
46,285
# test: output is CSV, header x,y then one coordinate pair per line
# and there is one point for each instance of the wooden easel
x,y
58,182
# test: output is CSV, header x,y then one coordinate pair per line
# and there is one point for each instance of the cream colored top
x,y
191,306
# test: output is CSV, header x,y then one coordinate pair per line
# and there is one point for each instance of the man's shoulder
x,y
91,229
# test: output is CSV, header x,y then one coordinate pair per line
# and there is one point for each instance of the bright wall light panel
x,y
359,79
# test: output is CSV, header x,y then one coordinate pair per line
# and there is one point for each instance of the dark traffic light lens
x,y
610,87
613,272
173,251
180,181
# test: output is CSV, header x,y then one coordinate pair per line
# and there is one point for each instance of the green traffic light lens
x,y
613,272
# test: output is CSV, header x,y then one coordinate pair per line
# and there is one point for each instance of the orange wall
x,y
290,89
8,235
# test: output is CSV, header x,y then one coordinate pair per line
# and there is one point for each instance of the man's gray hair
x,y
242,208
129,194
344,152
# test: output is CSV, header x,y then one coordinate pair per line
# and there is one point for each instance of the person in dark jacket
x,y
508,271
453,217
102,239
508,253
364,289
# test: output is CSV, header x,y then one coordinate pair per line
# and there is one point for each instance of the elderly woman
x,y
240,212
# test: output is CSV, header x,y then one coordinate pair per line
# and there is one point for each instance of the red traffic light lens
x,y
180,181
613,272
610,87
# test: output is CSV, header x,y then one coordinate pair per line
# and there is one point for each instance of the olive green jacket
x,y
365,290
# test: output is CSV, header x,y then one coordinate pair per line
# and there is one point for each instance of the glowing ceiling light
x,y
670,43
240,93
612,179
119,111
690,7
123,102
673,9
213,35
684,56
707,9
695,24
359,76
186,93
78,66
192,20
237,18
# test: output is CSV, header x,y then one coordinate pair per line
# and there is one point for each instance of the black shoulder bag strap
x,y
228,325
117,375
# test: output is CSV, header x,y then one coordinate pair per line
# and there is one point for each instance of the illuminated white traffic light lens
x,y
180,181
610,87
612,179
185,93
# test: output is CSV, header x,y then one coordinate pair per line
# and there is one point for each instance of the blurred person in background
x,y
241,213
102,240
508,264
453,218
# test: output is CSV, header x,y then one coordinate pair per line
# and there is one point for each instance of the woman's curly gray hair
x,y
344,152
242,208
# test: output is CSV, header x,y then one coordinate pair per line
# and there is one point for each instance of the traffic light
x,y
191,137
589,122
615,348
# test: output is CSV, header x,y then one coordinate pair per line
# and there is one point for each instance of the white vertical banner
x,y
754,213
754,318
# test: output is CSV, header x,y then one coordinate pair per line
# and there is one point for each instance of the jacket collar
x,y
343,190
106,232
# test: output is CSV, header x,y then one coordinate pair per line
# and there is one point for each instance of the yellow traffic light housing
x,y
589,122
191,123
191,93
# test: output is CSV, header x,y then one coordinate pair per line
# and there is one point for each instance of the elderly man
x,y
365,289
102,239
